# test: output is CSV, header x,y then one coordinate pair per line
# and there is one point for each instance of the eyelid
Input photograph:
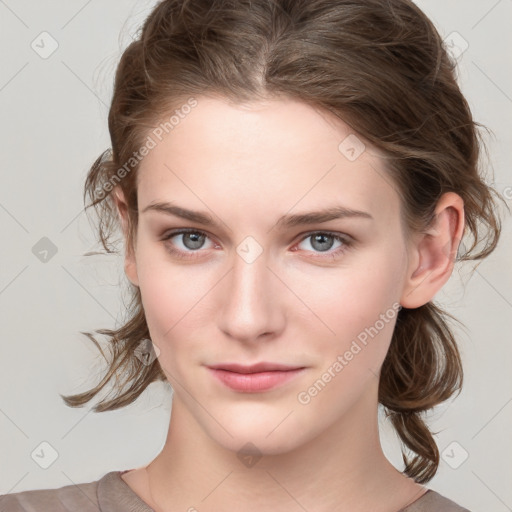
x,y
178,231
343,236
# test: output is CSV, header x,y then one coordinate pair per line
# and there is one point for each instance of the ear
x,y
130,265
432,254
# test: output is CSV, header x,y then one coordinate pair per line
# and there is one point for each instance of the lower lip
x,y
255,382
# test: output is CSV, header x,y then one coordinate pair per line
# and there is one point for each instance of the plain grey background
x,y
53,110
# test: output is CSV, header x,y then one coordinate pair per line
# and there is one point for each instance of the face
x,y
253,281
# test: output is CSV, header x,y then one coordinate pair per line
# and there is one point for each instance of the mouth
x,y
254,378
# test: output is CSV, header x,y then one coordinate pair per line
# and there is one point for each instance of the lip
x,y
254,378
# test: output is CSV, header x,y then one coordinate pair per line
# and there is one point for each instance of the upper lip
x,y
254,368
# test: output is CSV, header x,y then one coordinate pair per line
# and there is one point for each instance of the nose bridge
x,y
250,306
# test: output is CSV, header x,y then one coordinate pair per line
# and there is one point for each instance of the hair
x,y
379,66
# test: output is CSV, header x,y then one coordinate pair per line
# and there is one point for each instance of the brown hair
x,y
382,68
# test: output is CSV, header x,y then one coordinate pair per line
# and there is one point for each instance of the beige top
x,y
112,494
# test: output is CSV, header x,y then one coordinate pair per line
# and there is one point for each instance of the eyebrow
x,y
286,221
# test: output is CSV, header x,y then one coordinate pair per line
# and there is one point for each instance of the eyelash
x,y
346,241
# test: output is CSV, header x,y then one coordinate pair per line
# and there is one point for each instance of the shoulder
x,y
108,494
432,501
77,497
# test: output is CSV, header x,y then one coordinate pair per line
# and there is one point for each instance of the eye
x,y
322,242
188,242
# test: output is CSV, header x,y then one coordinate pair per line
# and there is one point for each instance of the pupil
x,y
196,240
322,247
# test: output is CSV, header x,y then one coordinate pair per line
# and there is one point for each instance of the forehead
x,y
266,156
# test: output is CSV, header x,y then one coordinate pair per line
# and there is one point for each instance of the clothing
x,y
112,494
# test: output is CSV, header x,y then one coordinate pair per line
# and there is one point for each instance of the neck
x,y
342,469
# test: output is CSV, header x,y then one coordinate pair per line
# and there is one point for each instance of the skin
x,y
296,304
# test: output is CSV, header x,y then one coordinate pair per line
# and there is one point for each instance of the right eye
x,y
189,242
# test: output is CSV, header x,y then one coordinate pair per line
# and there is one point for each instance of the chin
x,y
264,432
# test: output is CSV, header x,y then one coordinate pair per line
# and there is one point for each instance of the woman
x,y
292,179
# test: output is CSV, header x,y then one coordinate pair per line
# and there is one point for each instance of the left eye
x,y
323,242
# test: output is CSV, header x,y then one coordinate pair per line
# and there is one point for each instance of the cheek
x,y
360,306
353,297
362,314
175,304
168,290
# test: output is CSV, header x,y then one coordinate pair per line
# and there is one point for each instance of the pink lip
x,y
254,378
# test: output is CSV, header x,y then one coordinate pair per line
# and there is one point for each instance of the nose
x,y
251,306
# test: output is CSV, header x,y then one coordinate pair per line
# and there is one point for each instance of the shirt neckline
x,y
115,495
416,501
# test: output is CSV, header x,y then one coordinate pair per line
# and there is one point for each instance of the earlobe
x,y
130,266
433,253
